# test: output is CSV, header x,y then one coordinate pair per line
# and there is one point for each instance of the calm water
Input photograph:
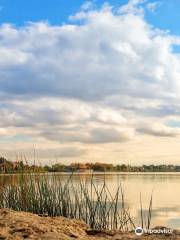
x,y
166,193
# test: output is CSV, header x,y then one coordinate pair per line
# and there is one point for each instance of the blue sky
x,y
19,12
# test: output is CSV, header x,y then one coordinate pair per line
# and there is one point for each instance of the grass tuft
x,y
46,194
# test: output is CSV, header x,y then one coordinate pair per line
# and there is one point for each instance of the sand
x,y
22,225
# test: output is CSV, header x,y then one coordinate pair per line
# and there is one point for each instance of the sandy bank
x,y
22,225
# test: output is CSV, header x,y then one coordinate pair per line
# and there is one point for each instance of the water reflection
x,y
6,179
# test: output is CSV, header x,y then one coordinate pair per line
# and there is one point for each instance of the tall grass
x,y
47,195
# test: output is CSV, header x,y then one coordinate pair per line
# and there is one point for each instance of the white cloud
x,y
152,6
88,5
44,60
92,81
133,7
160,130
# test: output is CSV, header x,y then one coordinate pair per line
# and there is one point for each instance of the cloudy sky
x,y
90,81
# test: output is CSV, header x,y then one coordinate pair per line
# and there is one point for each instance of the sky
x,y
19,12
90,81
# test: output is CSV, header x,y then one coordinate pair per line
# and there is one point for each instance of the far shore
x,y
7,166
92,173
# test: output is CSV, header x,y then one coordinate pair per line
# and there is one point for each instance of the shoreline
x,y
92,173
24,225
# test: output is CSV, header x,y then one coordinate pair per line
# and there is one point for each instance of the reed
x,y
45,194
146,217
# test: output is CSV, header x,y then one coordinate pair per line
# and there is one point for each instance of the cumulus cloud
x,y
107,135
93,80
44,60
88,135
56,111
160,130
133,6
152,6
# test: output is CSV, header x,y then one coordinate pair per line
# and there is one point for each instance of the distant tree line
x,y
101,167
16,167
8,167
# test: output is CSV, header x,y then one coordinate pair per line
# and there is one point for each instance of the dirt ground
x,y
22,225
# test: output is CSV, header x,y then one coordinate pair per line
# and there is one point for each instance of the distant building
x,y
6,166
80,167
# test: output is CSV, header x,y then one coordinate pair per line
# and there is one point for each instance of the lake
x,y
165,187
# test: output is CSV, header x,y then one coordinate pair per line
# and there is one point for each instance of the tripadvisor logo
x,y
139,231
